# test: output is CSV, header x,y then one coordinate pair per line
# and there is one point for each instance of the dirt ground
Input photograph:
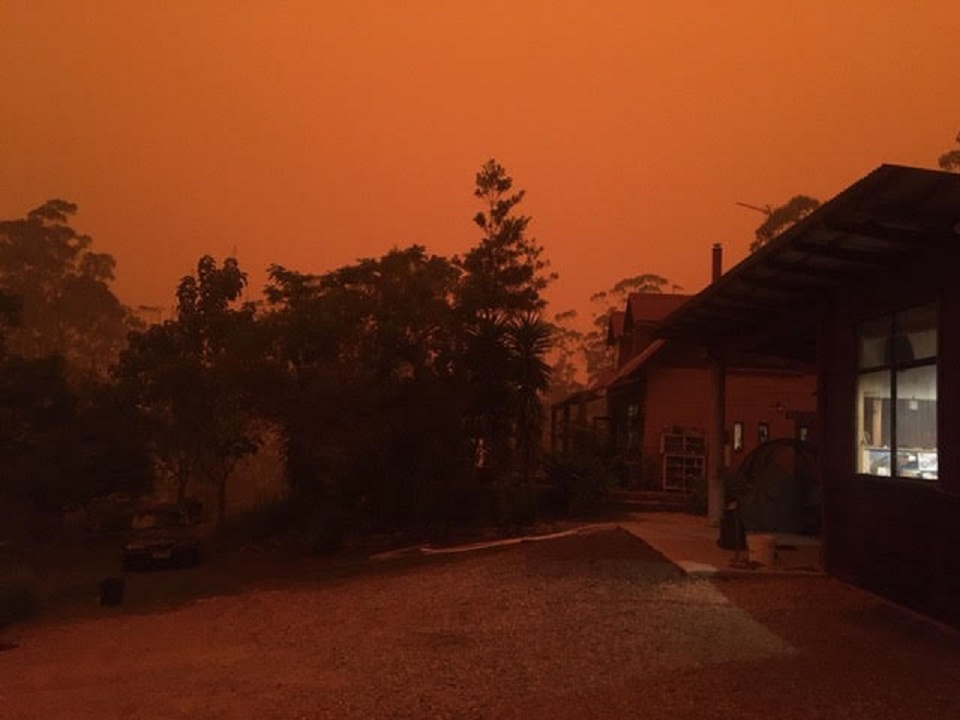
x,y
593,625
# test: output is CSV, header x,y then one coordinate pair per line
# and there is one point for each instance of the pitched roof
x,y
648,307
872,227
635,363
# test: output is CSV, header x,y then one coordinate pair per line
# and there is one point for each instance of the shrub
x,y
584,478
261,523
516,505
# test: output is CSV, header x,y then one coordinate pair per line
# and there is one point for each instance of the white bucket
x,y
762,549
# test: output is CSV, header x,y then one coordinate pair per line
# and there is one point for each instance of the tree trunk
x,y
221,502
183,477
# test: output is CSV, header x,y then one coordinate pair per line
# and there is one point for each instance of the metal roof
x,y
768,302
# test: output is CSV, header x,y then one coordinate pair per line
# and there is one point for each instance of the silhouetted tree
x,y
504,275
528,342
566,356
395,366
781,218
62,441
598,355
63,290
195,379
372,413
505,271
950,160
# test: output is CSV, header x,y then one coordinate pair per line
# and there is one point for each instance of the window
x,y
897,395
738,435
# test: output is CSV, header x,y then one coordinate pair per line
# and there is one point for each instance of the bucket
x,y
762,549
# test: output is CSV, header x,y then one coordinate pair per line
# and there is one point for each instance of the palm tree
x,y
528,338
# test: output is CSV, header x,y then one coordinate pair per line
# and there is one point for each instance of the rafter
x,y
843,254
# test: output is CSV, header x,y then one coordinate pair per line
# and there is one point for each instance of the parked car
x,y
162,536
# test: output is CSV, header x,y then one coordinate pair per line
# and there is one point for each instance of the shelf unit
x,y
684,460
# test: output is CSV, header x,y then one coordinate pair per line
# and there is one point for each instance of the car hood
x,y
161,536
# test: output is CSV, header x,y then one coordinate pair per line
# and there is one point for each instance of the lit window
x,y
897,395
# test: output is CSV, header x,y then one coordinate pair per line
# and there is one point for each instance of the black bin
x,y
111,591
733,536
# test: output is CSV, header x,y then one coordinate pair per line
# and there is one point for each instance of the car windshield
x,y
158,519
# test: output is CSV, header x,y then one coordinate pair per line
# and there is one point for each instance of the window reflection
x,y
897,395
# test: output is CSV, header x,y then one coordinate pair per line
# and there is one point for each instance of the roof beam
x,y
809,279
861,257
799,269
899,232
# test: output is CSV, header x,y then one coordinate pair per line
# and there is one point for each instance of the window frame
x,y
893,367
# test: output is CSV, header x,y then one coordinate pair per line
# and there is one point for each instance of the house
x,y
867,288
653,411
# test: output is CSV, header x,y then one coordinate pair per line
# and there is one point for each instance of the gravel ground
x,y
590,625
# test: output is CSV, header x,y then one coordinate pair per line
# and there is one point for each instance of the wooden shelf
x,y
684,460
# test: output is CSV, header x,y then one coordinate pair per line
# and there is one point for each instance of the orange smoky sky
x,y
310,134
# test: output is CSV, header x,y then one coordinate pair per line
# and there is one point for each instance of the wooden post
x,y
717,433
717,440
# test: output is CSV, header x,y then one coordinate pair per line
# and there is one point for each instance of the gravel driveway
x,y
590,625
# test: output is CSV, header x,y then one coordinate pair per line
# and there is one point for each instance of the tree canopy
x,y
506,270
950,160
781,218
398,384
62,287
194,378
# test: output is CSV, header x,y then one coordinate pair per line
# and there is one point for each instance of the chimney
x,y
717,262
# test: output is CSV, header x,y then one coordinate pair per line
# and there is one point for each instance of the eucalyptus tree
x,y
63,290
599,357
62,438
950,160
565,356
781,218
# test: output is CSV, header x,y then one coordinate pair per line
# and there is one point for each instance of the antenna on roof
x,y
766,209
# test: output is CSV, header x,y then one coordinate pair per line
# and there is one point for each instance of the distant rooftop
x,y
646,307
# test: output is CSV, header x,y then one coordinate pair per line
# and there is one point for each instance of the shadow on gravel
x,y
605,553
610,553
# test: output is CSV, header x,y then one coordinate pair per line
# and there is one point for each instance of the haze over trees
x,y
193,378
575,351
64,434
412,377
62,291
406,389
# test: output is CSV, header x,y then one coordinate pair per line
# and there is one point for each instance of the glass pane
x,y
873,423
916,334
917,422
874,336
